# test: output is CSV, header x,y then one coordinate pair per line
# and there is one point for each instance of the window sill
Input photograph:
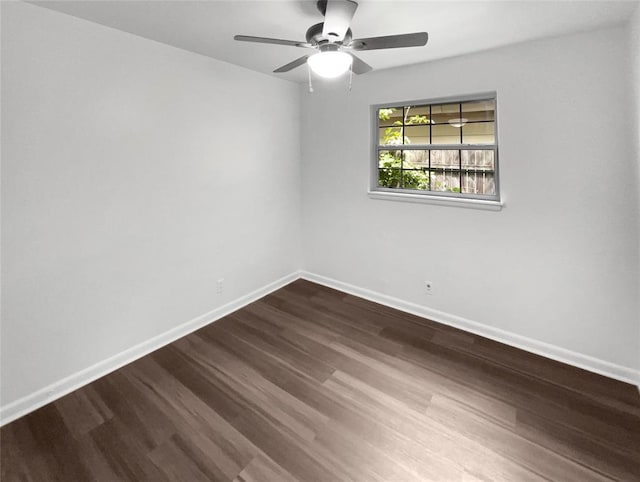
x,y
438,200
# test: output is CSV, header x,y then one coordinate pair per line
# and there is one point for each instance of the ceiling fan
x,y
333,39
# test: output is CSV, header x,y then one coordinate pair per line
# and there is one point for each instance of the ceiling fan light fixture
x,y
330,64
458,122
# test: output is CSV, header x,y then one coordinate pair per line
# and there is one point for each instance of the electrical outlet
x,y
219,286
428,287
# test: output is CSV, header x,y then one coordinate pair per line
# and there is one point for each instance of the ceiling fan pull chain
x,y
310,85
350,75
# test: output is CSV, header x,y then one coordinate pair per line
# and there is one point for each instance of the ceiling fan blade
x,y
359,66
337,18
292,65
266,40
417,39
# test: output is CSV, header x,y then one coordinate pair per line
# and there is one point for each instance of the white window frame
x,y
435,197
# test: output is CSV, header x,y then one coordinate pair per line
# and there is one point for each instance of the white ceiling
x,y
454,27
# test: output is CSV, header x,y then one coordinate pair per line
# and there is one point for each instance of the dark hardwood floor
x,y
313,384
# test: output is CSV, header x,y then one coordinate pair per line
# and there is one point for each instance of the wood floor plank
x,y
575,445
124,452
253,392
263,469
293,454
313,384
527,392
16,441
194,418
182,459
509,444
432,444
55,444
82,411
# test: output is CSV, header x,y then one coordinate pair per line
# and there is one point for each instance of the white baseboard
x,y
62,387
586,362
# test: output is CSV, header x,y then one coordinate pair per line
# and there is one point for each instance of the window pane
x,y
415,179
480,159
390,159
478,182
389,116
390,177
484,110
417,134
445,159
416,159
417,115
446,180
441,114
445,134
390,136
478,133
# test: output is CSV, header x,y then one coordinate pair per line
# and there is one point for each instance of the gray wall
x,y
559,264
129,188
634,42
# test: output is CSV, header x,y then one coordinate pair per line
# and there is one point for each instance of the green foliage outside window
x,y
391,175
392,170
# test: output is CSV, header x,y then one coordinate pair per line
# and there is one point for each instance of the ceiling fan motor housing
x,y
314,35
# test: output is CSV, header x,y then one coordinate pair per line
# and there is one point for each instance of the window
x,y
444,148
